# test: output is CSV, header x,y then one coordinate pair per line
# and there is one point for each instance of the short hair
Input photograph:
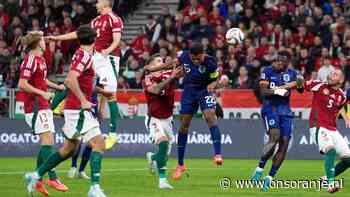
x,y
153,57
32,39
86,35
284,53
197,48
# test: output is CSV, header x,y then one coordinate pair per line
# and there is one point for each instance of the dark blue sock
x,y
85,158
75,157
273,170
181,146
262,163
216,137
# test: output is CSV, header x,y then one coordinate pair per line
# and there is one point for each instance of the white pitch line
x,y
105,170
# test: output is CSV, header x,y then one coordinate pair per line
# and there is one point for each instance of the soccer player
x,y
159,87
200,82
33,81
106,59
80,121
328,100
276,82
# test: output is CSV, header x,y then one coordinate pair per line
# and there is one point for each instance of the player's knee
x,y
162,139
47,138
274,134
98,144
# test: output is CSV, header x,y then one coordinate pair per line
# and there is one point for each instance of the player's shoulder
x,y
82,56
30,60
268,69
113,17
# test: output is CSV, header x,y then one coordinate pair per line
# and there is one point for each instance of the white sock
x,y
258,169
161,180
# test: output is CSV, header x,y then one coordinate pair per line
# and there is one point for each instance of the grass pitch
x,y
129,177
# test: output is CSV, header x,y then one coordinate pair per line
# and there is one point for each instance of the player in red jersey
x,y
38,116
328,100
109,28
159,87
80,121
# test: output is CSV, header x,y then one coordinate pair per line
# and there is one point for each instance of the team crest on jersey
x,y
272,122
286,78
202,69
325,91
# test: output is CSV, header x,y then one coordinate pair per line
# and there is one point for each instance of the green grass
x,y
129,178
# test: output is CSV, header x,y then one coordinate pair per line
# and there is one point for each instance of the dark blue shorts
x,y
191,99
282,122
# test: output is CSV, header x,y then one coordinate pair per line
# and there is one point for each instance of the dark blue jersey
x,y
277,103
198,76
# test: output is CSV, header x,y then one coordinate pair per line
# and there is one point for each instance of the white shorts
x,y
42,123
327,139
80,125
107,69
159,128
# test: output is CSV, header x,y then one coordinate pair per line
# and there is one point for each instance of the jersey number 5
x,y
330,103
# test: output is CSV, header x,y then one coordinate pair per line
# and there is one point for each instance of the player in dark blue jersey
x,y
276,83
200,82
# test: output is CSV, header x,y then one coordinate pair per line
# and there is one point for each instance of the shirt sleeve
x,y
79,62
27,68
313,85
265,75
116,24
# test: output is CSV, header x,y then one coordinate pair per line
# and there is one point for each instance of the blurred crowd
x,y
315,32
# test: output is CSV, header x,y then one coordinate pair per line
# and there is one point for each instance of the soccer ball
x,y
234,36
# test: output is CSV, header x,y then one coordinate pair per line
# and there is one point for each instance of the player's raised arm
x,y
68,36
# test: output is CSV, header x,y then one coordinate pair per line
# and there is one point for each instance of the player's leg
x,y
97,144
285,123
343,151
107,69
210,118
58,98
44,127
161,134
271,123
189,106
53,160
85,157
73,170
207,103
185,121
326,144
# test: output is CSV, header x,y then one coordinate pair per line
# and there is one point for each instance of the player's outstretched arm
x,y
54,85
72,83
157,88
68,36
25,86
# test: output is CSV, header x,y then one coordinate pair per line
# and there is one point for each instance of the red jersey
x,y
105,25
326,104
81,63
160,106
34,69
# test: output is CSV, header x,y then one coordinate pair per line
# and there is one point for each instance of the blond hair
x,y
32,39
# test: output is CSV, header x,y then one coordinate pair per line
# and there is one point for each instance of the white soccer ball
x,y
234,36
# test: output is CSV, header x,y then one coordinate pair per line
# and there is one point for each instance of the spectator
x,y
325,70
243,81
